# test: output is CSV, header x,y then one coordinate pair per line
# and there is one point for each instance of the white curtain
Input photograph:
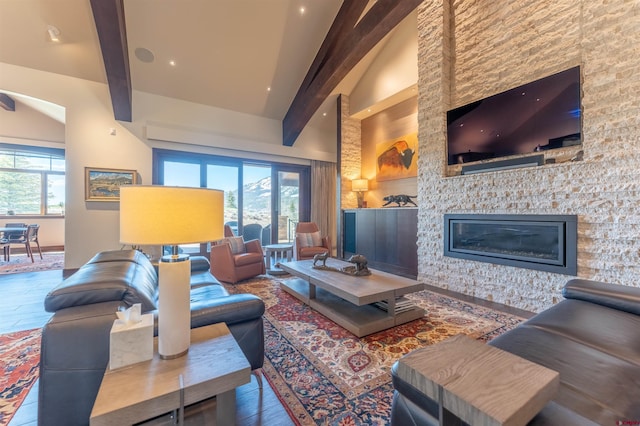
x,y
323,198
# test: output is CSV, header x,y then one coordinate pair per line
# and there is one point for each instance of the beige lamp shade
x,y
167,215
360,185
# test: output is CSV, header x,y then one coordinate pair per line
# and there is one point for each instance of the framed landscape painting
x,y
104,184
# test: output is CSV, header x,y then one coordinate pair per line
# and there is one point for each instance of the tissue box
x,y
131,343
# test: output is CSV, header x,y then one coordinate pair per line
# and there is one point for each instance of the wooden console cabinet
x,y
387,237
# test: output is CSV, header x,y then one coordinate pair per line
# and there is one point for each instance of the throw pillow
x,y
237,244
311,239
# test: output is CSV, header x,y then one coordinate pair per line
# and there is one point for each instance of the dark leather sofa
x,y
75,341
592,338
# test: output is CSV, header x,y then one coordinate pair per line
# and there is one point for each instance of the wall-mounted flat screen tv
x,y
538,116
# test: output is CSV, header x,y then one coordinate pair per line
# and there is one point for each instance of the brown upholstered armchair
x,y
233,259
309,242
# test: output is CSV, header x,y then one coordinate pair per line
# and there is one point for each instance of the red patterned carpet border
x,y
19,359
325,375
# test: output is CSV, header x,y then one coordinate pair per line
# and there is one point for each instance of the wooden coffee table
x,y
480,384
363,305
214,366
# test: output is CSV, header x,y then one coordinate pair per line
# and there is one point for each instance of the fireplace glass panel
x,y
523,241
543,242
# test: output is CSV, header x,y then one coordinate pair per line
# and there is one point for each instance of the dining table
x,y
19,228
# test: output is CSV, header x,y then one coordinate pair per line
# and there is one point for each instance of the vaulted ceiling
x,y
249,56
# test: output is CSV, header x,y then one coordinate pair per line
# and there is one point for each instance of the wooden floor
x,y
22,308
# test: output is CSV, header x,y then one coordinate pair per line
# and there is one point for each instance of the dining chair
x,y
252,231
32,237
4,244
14,237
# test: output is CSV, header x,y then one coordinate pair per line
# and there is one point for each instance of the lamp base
x,y
360,198
174,306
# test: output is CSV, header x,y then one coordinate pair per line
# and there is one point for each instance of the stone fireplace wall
x,y
472,49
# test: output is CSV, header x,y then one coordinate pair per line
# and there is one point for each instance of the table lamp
x,y
360,186
164,215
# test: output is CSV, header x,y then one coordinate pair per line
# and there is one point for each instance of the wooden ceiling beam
x,y
346,43
7,102
110,25
342,25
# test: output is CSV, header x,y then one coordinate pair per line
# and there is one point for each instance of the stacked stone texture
x,y
351,158
469,50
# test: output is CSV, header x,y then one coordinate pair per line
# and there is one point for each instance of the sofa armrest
x,y
221,255
74,355
228,309
615,296
199,264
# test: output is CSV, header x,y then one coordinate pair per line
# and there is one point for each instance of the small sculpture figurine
x,y
360,269
361,266
320,256
401,200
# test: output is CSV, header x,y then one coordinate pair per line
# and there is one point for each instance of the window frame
x,y
44,174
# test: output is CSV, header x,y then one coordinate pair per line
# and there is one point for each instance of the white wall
x,y
27,126
93,226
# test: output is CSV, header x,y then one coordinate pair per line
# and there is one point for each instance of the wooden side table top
x,y
214,365
480,384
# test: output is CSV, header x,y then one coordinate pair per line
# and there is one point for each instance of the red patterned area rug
x,y
19,359
22,263
325,375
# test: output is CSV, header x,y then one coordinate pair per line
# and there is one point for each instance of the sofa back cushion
x,y
122,275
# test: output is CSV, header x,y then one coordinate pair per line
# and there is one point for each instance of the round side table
x,y
275,253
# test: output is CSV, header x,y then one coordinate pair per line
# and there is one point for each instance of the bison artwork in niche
x,y
397,159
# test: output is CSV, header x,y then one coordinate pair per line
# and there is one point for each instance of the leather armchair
x,y
305,251
229,267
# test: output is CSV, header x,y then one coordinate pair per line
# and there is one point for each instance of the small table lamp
x,y
164,215
360,186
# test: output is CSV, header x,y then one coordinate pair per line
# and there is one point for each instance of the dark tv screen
x,y
537,116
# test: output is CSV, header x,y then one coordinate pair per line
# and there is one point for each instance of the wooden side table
x,y
480,384
275,253
214,366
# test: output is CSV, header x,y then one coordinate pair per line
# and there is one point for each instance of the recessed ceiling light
x,y
324,114
302,10
268,89
172,63
53,33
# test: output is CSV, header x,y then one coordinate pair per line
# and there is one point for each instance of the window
x,y
272,195
32,180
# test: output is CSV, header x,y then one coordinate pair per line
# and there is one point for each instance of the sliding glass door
x,y
263,200
288,204
226,178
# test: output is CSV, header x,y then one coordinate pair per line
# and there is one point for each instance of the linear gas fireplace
x,y
542,242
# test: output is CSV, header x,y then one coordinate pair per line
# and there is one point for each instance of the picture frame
x,y
104,184
397,158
